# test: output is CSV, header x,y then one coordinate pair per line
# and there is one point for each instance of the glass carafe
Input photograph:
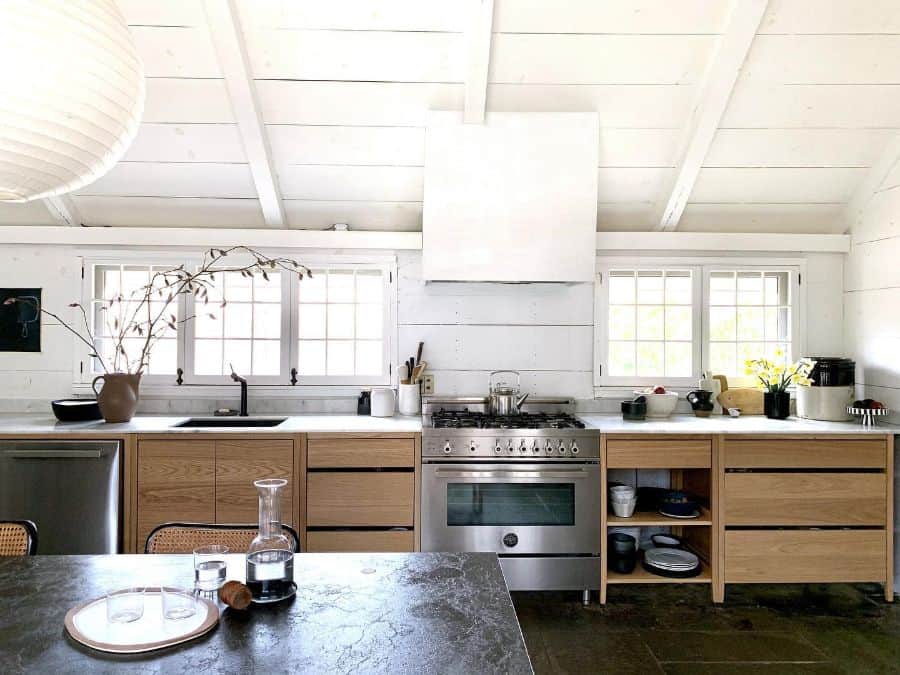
x,y
270,558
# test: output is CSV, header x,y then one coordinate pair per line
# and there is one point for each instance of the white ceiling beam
x,y
226,33
203,238
721,75
701,242
479,24
871,182
63,209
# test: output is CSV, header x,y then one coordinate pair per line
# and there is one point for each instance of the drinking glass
x,y
209,567
178,603
125,605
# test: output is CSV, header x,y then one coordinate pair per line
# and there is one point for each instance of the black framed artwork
x,y
20,322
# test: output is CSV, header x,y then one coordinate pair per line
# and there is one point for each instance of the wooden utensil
x,y
749,401
418,370
419,353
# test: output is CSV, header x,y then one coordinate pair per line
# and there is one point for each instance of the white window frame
x,y
701,267
274,386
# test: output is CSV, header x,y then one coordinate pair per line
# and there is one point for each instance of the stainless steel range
x,y
526,486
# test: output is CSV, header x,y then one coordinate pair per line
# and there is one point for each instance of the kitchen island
x,y
385,613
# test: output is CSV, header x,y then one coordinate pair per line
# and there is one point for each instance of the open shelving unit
x,y
692,463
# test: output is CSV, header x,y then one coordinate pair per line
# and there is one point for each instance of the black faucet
x,y
243,383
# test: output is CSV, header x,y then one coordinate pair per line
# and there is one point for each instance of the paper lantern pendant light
x,y
71,94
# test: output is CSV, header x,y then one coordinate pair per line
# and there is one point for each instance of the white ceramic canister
x,y
410,403
382,402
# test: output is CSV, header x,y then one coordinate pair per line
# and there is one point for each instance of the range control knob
x,y
497,448
574,448
510,540
562,448
472,446
536,448
549,448
447,448
509,447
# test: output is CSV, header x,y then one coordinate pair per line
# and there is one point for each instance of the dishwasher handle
x,y
54,454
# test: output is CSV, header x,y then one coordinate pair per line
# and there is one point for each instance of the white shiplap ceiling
x,y
343,86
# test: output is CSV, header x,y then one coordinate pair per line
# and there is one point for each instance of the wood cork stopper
x,y
235,595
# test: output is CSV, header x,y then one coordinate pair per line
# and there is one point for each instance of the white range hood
x,y
511,200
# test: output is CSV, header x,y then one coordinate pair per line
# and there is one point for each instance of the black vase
x,y
777,404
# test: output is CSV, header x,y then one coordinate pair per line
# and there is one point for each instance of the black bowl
x,y
634,410
76,410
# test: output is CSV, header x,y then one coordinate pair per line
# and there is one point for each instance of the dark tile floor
x,y
676,629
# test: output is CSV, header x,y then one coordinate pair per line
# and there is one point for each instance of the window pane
x,y
621,358
750,323
621,322
621,288
312,289
267,291
678,288
650,323
340,286
722,323
678,323
237,288
205,326
267,321
369,357
679,359
312,321
311,357
369,320
340,357
208,357
650,288
236,354
237,321
747,351
369,286
721,288
340,321
266,357
722,358
777,288
163,357
650,359
749,288
133,279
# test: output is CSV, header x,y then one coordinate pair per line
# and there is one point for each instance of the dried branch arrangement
x,y
145,315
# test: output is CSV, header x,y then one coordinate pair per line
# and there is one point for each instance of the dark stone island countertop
x,y
359,613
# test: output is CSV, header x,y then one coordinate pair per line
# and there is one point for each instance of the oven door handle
x,y
571,474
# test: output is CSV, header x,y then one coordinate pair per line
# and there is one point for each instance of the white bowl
x,y
624,509
660,405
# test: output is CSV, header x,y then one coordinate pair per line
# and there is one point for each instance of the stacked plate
x,y
671,562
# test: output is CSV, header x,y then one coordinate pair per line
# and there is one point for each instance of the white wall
x,y
543,330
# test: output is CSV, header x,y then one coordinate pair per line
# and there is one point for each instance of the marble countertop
x,y
721,424
11,424
380,613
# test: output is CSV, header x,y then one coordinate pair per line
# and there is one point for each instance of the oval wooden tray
x,y
87,624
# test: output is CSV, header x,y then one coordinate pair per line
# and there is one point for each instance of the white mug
x,y
410,403
382,402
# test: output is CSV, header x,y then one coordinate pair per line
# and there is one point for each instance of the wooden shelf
x,y
642,576
653,518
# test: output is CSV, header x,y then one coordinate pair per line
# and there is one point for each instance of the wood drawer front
x,y
804,556
360,541
360,453
238,464
658,454
805,499
175,482
363,499
805,453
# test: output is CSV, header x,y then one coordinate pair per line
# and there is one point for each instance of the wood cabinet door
x,y
176,482
238,464
360,499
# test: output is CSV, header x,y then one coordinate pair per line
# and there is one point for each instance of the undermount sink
x,y
218,422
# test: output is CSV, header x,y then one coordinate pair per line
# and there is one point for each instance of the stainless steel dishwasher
x,y
72,490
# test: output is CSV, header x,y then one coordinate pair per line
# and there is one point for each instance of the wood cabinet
x,y
808,509
361,493
659,453
209,480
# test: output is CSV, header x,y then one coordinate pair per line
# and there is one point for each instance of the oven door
x,y
516,509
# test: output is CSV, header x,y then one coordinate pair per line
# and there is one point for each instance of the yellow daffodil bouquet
x,y
775,376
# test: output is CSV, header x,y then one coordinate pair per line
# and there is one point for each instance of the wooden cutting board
x,y
749,401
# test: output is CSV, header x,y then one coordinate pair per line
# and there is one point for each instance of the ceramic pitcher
x,y
118,399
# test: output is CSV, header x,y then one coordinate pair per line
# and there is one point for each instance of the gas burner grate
x,y
465,419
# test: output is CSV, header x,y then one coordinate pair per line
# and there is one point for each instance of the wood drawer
x,y
805,453
804,556
658,454
241,462
805,499
360,453
360,541
365,498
